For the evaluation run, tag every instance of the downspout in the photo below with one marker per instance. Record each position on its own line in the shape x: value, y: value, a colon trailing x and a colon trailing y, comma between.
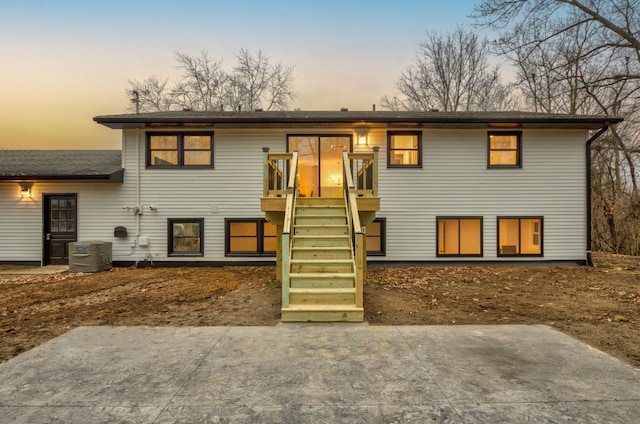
x: 136, y: 208
x: 137, y: 185
x: 588, y: 161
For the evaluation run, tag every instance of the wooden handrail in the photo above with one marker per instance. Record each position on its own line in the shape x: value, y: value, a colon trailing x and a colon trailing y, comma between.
x: 292, y: 190
x: 355, y: 228
x: 287, y: 240
x: 351, y: 197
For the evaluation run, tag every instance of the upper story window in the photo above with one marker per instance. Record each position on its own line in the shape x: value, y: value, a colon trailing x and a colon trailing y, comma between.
x: 505, y: 150
x: 404, y: 149
x: 180, y: 150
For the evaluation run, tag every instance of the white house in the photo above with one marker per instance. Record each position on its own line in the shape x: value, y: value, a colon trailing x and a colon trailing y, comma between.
x: 208, y: 187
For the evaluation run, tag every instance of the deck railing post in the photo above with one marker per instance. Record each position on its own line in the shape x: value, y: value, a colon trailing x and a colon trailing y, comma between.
x: 279, y: 253
x: 285, y: 269
x: 360, y: 257
x: 374, y: 178
x: 265, y: 172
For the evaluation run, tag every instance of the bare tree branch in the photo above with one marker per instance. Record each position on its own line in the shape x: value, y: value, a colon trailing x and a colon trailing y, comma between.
x: 255, y: 82
x: 451, y: 73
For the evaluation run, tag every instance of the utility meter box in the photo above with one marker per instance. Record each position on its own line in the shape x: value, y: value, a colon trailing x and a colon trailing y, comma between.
x: 90, y: 256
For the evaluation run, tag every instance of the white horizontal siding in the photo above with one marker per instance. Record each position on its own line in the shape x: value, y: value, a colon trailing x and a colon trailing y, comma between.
x: 20, y: 224
x: 454, y: 181
x: 232, y: 189
x: 21, y: 219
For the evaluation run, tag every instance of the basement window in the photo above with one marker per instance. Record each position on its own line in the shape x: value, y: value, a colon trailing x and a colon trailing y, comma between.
x: 376, y: 232
x: 459, y: 236
x: 186, y: 237
x: 249, y: 237
x: 520, y: 236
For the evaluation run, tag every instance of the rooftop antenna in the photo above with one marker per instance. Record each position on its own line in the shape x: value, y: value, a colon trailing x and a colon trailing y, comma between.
x: 136, y: 99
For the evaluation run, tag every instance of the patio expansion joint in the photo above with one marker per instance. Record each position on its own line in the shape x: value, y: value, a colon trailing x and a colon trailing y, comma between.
x: 191, y: 374
x: 426, y: 369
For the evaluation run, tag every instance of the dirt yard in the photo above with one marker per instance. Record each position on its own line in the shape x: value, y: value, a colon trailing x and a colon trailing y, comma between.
x: 600, y: 306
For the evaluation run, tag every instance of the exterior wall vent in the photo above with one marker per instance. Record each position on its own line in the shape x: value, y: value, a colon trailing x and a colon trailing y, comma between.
x: 120, y: 232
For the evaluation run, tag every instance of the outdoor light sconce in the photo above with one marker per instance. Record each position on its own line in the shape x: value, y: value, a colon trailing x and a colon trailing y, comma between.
x: 362, y: 133
x: 25, y: 189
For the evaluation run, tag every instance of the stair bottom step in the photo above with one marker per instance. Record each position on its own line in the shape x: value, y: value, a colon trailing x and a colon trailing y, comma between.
x: 322, y: 313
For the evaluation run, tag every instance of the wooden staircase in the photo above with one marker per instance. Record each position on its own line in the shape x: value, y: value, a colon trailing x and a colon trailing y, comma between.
x: 322, y: 278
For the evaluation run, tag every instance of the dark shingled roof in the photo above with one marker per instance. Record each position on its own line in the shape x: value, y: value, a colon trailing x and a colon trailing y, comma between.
x: 374, y: 118
x: 100, y: 165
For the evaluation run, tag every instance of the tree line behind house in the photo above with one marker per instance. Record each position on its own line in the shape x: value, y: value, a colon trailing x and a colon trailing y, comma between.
x: 568, y: 56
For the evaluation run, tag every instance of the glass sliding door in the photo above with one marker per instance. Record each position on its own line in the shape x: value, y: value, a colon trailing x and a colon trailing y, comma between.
x: 308, y: 160
x: 319, y: 163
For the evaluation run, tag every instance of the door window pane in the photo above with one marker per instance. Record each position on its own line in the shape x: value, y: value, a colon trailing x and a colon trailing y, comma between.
x: 308, y: 159
x: 331, y: 149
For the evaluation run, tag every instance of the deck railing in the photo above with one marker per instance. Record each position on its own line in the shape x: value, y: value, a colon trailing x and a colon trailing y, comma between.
x: 356, y: 230
x: 364, y: 172
x: 276, y: 169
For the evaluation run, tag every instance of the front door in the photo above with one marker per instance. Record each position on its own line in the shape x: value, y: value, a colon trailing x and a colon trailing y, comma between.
x: 60, y: 227
x: 319, y: 163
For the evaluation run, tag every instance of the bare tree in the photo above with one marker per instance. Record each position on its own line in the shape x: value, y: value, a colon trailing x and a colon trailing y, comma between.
x: 583, y: 57
x: 451, y: 73
x: 253, y: 83
x: 151, y: 92
x: 618, y: 21
x: 202, y: 82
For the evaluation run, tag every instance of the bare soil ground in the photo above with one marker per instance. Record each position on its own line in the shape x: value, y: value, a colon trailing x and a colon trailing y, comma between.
x: 600, y: 305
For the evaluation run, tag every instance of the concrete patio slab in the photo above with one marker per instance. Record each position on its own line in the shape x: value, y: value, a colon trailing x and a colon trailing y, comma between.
x: 310, y: 373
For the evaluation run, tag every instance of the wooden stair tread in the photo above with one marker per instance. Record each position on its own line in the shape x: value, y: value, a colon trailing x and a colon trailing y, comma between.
x: 322, y: 248
x: 321, y: 236
x: 322, y: 274
x: 321, y: 205
x: 321, y: 261
x: 320, y: 308
x: 325, y: 289
x: 320, y: 225
x: 328, y: 290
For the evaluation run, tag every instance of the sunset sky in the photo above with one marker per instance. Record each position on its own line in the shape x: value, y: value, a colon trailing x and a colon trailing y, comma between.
x: 65, y: 61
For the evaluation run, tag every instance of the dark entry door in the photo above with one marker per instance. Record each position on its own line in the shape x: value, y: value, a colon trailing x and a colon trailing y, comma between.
x: 60, y: 227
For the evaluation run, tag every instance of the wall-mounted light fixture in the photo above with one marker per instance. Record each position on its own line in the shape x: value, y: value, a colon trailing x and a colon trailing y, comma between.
x: 25, y: 189
x: 363, y: 133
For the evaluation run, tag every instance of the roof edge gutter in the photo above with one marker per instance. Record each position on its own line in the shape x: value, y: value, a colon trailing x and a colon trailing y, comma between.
x: 117, y: 176
x: 588, y: 169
